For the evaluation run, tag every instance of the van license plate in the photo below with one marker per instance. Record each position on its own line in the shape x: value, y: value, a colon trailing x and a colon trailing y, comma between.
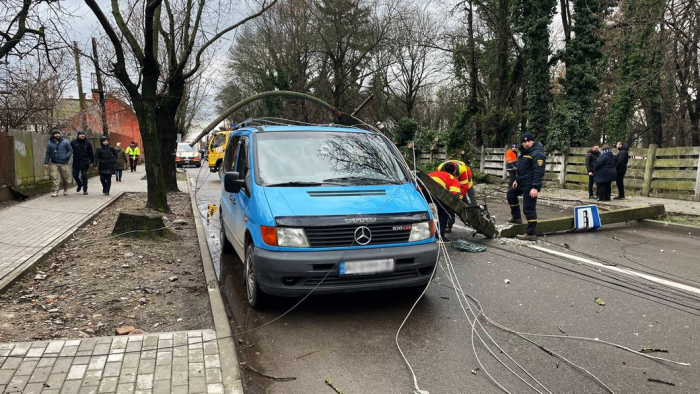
x: 366, y: 267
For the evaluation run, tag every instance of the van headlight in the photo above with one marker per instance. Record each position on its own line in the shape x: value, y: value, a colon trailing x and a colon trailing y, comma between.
x: 421, y: 231
x: 292, y: 237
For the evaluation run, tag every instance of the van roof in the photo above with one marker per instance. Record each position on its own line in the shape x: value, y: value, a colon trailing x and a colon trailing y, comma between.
x: 313, y: 128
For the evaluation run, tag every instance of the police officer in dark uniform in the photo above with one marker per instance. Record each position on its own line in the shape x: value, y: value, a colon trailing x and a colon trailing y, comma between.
x: 528, y: 182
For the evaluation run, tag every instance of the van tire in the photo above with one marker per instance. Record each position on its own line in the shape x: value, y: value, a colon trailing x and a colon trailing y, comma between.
x: 257, y: 299
x: 226, y: 246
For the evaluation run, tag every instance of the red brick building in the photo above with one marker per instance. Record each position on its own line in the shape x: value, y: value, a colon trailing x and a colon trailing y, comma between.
x: 122, y: 124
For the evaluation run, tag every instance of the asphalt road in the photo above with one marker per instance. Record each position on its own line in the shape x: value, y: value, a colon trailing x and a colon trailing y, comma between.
x: 350, y: 339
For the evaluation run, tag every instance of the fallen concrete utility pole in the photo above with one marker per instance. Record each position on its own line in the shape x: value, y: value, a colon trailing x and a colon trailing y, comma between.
x: 548, y: 226
x: 477, y: 217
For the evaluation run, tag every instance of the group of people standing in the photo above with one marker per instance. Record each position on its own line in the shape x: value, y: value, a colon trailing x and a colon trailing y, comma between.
x: 604, y: 168
x: 107, y: 159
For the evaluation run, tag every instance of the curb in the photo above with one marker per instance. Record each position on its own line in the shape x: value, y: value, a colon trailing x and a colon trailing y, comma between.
x: 230, y: 372
x: 47, y: 250
x: 676, y: 227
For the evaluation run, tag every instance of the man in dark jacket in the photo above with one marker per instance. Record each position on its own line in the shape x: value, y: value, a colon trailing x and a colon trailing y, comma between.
x: 622, y: 159
x: 105, y: 160
x: 591, y: 157
x: 83, y: 158
x: 528, y: 183
x: 605, y: 173
x: 58, y: 154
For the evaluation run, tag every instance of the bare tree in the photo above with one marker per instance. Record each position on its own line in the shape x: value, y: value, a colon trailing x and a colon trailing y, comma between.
x: 157, y: 85
x: 32, y: 94
x: 415, y: 61
x: 28, y: 25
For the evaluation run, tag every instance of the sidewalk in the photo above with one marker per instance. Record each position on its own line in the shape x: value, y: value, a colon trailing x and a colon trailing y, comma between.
x: 180, y: 362
x: 557, y: 197
x: 672, y: 206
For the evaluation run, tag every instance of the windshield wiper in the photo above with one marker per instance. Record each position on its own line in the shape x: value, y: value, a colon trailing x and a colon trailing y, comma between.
x: 357, y: 179
x: 297, y: 183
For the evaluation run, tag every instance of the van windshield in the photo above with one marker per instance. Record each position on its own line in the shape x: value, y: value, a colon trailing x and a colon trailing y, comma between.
x: 319, y: 158
x: 184, y: 147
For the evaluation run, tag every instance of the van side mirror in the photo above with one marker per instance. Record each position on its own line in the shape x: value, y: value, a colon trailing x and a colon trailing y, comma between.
x: 232, y: 183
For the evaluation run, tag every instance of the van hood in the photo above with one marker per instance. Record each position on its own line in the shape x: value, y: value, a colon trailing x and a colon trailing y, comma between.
x: 349, y: 200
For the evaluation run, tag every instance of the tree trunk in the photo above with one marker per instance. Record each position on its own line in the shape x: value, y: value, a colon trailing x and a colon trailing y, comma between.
x: 146, y: 113
x: 473, y: 105
x: 168, y: 128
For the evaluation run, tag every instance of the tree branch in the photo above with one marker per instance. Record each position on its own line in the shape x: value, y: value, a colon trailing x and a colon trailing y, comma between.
x: 120, y: 66
x: 128, y: 35
x: 221, y: 33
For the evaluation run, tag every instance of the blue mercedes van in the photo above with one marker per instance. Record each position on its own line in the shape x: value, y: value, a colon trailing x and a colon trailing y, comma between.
x: 328, y: 209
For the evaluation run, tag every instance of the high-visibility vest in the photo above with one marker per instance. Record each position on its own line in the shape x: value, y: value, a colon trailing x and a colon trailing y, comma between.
x: 511, y: 156
x: 132, y: 152
x: 465, y: 179
x: 446, y: 180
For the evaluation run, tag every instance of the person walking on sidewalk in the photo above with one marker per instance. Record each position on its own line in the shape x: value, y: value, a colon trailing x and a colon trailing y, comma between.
x: 58, y: 154
x: 133, y: 152
x: 528, y: 183
x: 622, y: 158
x: 121, y: 163
x: 83, y: 158
x: 511, y: 164
x: 605, y: 173
x: 105, y: 160
x: 591, y: 157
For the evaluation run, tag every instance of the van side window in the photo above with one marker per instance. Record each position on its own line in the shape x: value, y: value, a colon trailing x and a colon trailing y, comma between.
x: 230, y: 157
x: 242, y: 164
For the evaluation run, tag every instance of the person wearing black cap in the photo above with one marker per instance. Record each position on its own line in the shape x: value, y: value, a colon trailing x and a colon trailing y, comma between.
x: 83, y: 158
x: 528, y: 183
x: 105, y: 159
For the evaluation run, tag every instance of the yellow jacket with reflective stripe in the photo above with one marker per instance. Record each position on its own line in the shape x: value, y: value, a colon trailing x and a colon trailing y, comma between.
x: 465, y: 179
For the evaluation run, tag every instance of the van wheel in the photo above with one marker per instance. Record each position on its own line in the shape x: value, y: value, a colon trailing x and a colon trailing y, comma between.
x: 226, y: 246
x: 256, y: 298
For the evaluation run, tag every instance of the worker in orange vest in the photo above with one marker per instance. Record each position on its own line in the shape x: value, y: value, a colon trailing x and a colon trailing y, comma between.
x: 511, y: 164
x: 466, y: 186
x: 445, y: 179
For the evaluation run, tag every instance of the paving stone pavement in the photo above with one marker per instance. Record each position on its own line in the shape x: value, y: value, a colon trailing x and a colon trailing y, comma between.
x: 32, y: 229
x: 178, y: 362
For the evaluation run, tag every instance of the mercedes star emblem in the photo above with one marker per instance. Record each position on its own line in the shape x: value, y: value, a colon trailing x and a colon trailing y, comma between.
x: 363, y: 235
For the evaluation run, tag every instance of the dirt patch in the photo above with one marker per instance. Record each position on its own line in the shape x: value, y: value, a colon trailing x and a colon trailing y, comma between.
x: 96, y: 283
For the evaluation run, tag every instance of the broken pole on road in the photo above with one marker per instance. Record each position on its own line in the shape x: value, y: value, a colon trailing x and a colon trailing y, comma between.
x: 549, y: 226
x: 476, y: 217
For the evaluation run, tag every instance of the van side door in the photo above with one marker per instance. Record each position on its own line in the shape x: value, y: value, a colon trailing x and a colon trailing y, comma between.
x: 241, y: 199
x: 227, y: 200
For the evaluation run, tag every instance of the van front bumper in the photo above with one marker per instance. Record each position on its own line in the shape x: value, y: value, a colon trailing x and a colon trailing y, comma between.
x: 297, y: 273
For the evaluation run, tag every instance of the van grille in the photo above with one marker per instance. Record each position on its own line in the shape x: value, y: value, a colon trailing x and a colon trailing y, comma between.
x: 347, y: 193
x: 344, y: 235
x: 361, y: 279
